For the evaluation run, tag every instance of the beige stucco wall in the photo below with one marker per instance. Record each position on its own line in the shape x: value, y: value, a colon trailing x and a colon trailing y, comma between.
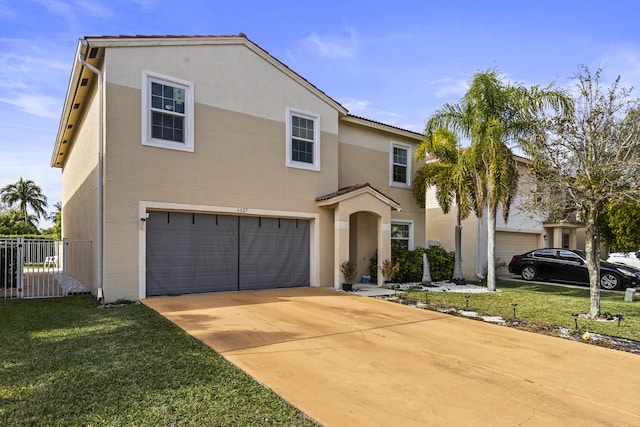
x: 364, y: 157
x: 238, y: 163
x: 441, y: 228
x: 80, y: 185
x: 363, y: 240
x: 231, y: 77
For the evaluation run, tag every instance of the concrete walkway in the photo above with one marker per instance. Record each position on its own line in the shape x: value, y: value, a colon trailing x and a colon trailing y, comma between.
x: 349, y: 360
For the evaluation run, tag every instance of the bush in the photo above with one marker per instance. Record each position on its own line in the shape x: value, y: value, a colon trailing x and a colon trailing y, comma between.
x: 440, y: 263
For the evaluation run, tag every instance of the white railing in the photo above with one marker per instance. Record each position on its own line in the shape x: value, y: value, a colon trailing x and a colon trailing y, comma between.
x: 39, y: 268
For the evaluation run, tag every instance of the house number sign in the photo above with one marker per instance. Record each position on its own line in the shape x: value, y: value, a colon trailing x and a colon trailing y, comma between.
x: 243, y: 210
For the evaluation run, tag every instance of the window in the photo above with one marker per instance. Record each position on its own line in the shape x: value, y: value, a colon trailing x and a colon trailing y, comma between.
x: 545, y: 253
x: 400, y: 165
x: 402, y: 235
x: 570, y: 256
x: 303, y: 140
x: 167, y: 115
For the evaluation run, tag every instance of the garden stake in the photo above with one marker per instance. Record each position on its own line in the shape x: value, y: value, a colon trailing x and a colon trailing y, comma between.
x: 514, y: 305
x: 619, y: 317
x: 467, y: 298
x: 575, y: 318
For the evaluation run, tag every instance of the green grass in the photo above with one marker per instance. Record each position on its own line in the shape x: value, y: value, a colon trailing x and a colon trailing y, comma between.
x: 64, y: 361
x: 548, y: 304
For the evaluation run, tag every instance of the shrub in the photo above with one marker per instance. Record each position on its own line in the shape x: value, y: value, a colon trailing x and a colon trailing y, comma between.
x: 349, y: 269
x: 389, y: 269
x: 440, y: 263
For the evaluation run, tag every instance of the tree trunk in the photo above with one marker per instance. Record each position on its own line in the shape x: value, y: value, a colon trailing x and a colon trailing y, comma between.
x: 592, y: 250
x: 491, y: 248
x: 457, y: 266
x: 426, y: 270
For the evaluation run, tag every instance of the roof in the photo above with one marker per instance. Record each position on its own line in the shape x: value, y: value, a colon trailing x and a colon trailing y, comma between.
x: 382, y: 126
x: 355, y: 190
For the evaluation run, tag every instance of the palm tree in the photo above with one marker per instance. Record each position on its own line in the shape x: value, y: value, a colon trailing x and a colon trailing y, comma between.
x: 449, y: 173
x: 57, y: 209
x: 494, y: 117
x: 25, y: 194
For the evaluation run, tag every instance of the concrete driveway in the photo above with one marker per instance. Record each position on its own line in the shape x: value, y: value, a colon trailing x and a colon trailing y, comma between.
x: 348, y: 360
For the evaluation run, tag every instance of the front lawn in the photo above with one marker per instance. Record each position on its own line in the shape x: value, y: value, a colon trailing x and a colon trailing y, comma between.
x: 64, y: 361
x: 547, y: 304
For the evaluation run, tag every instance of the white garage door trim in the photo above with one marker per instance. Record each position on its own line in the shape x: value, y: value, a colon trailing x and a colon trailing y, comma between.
x: 144, y: 206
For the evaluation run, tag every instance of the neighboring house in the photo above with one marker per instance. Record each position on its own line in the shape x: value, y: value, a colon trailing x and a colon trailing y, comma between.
x: 203, y: 164
x: 525, y: 230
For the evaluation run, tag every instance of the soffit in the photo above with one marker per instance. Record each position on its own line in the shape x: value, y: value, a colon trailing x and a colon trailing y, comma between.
x: 81, y: 83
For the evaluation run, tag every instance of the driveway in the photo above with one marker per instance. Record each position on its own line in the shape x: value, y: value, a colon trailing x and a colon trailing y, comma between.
x: 348, y: 360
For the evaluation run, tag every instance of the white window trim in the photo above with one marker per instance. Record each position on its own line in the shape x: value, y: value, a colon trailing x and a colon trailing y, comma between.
x: 410, y: 224
x: 315, y: 166
x: 147, y: 139
x: 407, y: 147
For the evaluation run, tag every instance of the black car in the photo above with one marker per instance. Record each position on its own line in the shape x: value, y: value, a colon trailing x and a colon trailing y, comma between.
x: 568, y: 265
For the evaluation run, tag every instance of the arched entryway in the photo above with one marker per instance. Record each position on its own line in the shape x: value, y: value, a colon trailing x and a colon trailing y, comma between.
x: 359, y: 211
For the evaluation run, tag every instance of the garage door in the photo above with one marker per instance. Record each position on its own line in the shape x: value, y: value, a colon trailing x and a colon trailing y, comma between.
x: 511, y: 243
x: 195, y: 253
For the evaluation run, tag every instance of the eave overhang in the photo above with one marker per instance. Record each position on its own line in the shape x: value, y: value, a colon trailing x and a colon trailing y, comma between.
x: 80, y: 83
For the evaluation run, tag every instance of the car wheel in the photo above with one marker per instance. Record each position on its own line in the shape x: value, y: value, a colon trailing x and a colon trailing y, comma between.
x: 609, y: 281
x: 528, y: 272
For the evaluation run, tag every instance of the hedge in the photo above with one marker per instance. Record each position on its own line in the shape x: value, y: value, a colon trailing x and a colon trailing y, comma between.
x: 440, y: 264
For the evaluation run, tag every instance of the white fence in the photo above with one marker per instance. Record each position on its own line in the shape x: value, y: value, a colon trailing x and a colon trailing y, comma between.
x: 34, y: 268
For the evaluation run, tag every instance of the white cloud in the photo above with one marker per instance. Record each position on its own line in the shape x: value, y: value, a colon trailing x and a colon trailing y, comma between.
x: 93, y: 8
x: 623, y: 61
x: 57, y: 7
x: 37, y: 105
x: 329, y: 46
x: 332, y: 47
x: 355, y: 106
x: 450, y: 88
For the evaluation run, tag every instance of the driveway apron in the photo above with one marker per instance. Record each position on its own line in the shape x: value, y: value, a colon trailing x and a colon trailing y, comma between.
x: 348, y: 360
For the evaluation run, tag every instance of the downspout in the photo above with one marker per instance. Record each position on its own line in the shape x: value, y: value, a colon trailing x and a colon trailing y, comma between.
x: 98, y: 73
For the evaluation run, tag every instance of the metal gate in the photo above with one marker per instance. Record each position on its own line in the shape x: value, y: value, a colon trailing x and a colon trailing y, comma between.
x: 40, y: 268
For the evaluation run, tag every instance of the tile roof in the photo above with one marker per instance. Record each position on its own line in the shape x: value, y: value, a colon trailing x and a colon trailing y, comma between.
x: 351, y: 189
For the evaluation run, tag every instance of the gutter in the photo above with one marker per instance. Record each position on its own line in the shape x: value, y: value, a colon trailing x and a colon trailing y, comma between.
x: 100, y: 76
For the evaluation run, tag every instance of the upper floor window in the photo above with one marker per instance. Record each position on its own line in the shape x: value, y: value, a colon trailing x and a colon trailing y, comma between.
x: 303, y: 140
x: 400, y: 165
x: 402, y: 235
x: 167, y: 112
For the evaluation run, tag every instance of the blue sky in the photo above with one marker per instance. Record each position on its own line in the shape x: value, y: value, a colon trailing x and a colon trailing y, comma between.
x: 391, y: 61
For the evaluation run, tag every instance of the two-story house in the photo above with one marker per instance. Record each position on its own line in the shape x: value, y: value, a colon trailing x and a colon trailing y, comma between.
x: 204, y: 164
x: 525, y: 230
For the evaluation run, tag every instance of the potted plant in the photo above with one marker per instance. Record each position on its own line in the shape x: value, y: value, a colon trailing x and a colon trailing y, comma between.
x: 349, y: 270
x: 389, y: 269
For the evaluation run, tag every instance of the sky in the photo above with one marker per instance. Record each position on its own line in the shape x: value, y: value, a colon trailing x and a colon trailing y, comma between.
x: 395, y: 62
